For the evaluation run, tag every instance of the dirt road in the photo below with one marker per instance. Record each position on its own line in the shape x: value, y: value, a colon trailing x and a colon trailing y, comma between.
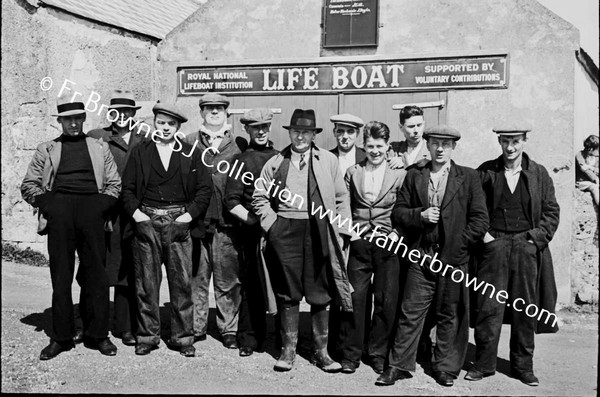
x: 566, y: 363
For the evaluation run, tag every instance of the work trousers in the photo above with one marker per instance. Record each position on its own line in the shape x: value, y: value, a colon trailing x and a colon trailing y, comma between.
x: 162, y: 240
x: 219, y: 257
x: 368, y: 260
x: 252, y: 319
x: 297, y: 266
x: 422, y: 289
x: 75, y: 222
x: 508, y: 263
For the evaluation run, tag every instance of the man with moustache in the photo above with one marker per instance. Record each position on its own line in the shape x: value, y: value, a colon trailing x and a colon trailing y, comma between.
x: 440, y: 212
x: 119, y: 258
x: 306, y: 258
x: 514, y: 256
x: 166, y: 194
x: 373, y: 188
x: 216, y: 253
x: 238, y: 200
x: 73, y: 182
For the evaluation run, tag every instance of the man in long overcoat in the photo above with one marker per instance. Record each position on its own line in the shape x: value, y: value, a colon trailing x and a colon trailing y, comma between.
x: 298, y: 194
x: 514, y: 256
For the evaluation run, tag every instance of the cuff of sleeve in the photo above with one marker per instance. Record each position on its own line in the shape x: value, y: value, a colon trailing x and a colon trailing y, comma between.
x: 193, y: 210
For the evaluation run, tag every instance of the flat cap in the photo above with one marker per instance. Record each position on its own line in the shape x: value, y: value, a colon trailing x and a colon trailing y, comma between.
x: 254, y: 117
x: 441, y: 131
x: 169, y: 108
x: 347, y: 119
x: 511, y: 130
x: 214, y: 99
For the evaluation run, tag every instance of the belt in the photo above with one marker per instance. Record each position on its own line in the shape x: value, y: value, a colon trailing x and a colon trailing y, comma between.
x: 170, y: 209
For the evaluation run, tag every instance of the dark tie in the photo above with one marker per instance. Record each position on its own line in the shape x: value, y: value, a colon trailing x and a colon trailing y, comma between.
x: 302, y: 162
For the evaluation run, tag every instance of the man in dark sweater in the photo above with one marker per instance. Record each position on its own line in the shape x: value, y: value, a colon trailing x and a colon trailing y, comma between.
x: 167, y: 194
x: 73, y: 181
x: 238, y: 200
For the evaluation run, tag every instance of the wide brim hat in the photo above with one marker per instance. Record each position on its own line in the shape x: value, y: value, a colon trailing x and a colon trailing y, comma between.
x: 123, y: 99
x: 67, y: 108
x: 214, y: 99
x: 170, y: 109
x: 442, y: 132
x: 303, y: 120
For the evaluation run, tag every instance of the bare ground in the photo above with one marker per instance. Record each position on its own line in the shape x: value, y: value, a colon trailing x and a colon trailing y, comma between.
x: 566, y: 362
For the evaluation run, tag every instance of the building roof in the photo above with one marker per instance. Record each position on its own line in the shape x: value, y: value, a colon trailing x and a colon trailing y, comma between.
x: 154, y: 18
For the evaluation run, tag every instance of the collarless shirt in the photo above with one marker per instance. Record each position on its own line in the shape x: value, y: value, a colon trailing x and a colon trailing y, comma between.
x: 411, y: 156
x: 164, y: 152
x: 373, y: 181
x: 512, y: 177
x: 437, y: 185
x: 347, y: 159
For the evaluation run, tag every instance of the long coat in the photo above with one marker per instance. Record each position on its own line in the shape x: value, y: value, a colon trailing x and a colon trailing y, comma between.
x: 119, y: 265
x: 194, y: 176
x: 332, y: 194
x: 544, y: 214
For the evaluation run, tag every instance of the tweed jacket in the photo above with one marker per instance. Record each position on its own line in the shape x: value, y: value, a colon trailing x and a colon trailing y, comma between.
x: 41, y: 173
x: 330, y: 189
x: 378, y: 213
x: 544, y: 213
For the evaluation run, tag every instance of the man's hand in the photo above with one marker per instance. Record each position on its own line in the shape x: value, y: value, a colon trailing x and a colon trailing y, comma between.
x: 139, y: 216
x: 396, y: 163
x: 252, y: 219
x: 431, y: 215
x: 393, y: 236
x: 184, y: 218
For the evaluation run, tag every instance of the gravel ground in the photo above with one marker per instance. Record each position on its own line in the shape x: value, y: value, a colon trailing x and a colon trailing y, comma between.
x: 566, y: 363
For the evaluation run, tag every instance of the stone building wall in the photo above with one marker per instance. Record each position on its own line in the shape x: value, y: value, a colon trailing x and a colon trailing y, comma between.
x: 38, y: 42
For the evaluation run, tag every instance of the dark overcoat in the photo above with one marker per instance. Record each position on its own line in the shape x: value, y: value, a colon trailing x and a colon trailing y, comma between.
x: 543, y: 213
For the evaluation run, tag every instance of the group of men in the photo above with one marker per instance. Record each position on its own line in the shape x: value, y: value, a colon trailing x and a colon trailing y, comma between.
x: 314, y: 225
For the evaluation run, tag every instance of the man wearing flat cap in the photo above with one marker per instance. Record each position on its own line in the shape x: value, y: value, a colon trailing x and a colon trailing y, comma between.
x: 167, y: 194
x: 119, y: 259
x: 216, y: 253
x: 346, y: 128
x: 238, y: 200
x: 73, y: 182
x: 440, y: 212
x: 295, y: 190
x: 514, y: 256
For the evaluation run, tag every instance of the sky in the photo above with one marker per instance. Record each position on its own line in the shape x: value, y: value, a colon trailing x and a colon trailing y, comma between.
x: 583, y: 14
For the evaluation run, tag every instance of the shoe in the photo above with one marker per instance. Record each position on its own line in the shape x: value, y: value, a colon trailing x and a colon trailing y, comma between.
x: 288, y: 317
x: 104, y: 345
x: 475, y: 375
x: 320, y: 324
x: 128, y: 339
x: 199, y: 338
x: 54, y: 349
x: 142, y: 349
x: 443, y: 378
x: 526, y: 377
x: 230, y: 342
x: 246, y: 351
x: 187, y: 351
x: 377, y: 365
x: 348, y: 367
x: 78, y: 337
x: 391, y: 375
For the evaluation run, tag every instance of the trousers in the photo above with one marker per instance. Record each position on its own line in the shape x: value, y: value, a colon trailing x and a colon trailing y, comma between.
x: 163, y: 240
x: 75, y: 223
x: 509, y: 263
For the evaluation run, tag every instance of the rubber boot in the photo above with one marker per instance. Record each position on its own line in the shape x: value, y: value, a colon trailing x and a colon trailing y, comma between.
x: 320, y: 321
x: 289, y: 316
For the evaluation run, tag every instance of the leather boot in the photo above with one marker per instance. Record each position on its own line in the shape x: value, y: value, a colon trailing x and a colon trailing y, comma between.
x: 289, y: 316
x: 320, y: 321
